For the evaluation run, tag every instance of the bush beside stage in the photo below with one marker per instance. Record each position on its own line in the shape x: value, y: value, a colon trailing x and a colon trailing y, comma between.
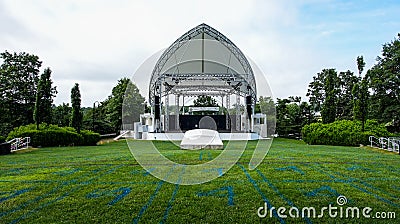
x: 343, y: 133
x: 52, y: 135
x: 2, y: 139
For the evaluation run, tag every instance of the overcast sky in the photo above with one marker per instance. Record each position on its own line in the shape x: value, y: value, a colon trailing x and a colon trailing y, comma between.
x: 96, y: 42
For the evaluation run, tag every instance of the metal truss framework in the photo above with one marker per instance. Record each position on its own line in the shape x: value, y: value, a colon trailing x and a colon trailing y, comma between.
x: 157, y: 77
x: 195, y: 84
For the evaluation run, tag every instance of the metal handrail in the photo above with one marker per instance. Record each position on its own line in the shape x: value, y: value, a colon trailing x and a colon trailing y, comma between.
x: 19, y: 143
x: 391, y: 144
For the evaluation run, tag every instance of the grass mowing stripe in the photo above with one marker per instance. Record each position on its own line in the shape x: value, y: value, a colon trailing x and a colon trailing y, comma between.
x: 17, y: 193
x: 352, y: 179
x: 148, y: 203
x: 229, y: 194
x: 172, y: 199
x: 125, y: 191
x: 25, y: 215
x: 42, y: 170
x: 358, y: 187
x: 255, y: 185
x: 274, y: 188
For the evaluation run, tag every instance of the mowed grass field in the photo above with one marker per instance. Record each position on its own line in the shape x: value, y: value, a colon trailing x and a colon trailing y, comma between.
x: 104, y: 184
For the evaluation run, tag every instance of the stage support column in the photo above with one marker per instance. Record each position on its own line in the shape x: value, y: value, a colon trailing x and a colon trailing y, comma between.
x: 166, y: 119
x: 177, y: 112
x: 228, y: 102
x: 249, y: 113
x: 238, y: 114
x: 183, y: 104
x: 157, y: 108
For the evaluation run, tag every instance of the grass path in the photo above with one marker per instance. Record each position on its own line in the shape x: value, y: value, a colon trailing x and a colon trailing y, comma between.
x: 104, y: 184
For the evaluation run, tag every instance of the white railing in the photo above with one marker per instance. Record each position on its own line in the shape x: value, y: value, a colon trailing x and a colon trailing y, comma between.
x: 19, y: 143
x: 395, y: 144
x: 391, y: 144
x: 374, y: 141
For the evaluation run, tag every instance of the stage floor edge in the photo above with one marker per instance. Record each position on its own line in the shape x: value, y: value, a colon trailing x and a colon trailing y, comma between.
x: 223, y: 136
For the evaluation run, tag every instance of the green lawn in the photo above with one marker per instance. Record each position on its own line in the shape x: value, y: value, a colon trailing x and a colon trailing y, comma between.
x: 104, y: 184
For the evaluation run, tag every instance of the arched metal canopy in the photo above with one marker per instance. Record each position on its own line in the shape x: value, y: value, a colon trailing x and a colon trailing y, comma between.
x: 202, y: 62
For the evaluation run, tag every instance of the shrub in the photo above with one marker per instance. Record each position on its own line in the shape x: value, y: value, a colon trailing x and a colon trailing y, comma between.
x: 89, y: 137
x: 343, y: 132
x: 2, y: 139
x: 52, y: 135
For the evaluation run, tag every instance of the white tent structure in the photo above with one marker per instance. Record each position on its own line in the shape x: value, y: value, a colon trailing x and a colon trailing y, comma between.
x: 201, y: 62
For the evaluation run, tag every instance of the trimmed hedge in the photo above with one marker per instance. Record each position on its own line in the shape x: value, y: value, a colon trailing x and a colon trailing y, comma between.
x: 52, y: 135
x: 343, y: 132
x: 89, y: 137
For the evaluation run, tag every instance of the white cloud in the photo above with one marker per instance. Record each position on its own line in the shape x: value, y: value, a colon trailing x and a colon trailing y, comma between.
x: 96, y: 42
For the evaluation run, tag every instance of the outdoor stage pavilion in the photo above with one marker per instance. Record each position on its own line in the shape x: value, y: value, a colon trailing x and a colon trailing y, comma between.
x: 202, y: 62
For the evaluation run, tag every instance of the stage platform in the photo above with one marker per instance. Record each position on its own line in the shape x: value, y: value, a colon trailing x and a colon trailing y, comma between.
x: 178, y: 136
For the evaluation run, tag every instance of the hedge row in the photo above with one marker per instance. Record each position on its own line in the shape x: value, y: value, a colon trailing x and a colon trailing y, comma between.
x: 2, y: 139
x: 343, y: 132
x: 52, y: 135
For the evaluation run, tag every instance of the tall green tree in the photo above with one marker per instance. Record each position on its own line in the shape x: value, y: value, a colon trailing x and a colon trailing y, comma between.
x: 360, y: 95
x: 328, y: 111
x: 125, y: 103
x: 330, y: 94
x: 44, y: 99
x: 266, y: 105
x: 344, y: 95
x: 384, y: 82
x: 315, y: 92
x: 360, y: 65
x: 76, y: 118
x: 61, y: 115
x: 322, y: 93
x: 292, y: 114
x: 19, y: 76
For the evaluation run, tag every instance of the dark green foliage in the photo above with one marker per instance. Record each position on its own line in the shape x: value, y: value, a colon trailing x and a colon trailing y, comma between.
x: 44, y: 99
x: 330, y: 94
x: 76, y: 118
x: 360, y: 64
x: 89, y: 137
x: 292, y: 115
x: 315, y: 91
x: 205, y: 101
x: 62, y: 115
x: 384, y: 80
x: 19, y: 75
x: 47, y: 135
x: 126, y: 103
x: 2, y: 139
x: 360, y: 102
x: 344, y: 107
x: 97, y: 119
x: 328, y: 111
x: 342, y: 132
x: 266, y: 105
x: 52, y: 135
x: 114, y: 103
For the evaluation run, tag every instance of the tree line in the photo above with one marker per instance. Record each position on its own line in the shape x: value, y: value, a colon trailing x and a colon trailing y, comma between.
x: 344, y: 95
x: 27, y: 96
